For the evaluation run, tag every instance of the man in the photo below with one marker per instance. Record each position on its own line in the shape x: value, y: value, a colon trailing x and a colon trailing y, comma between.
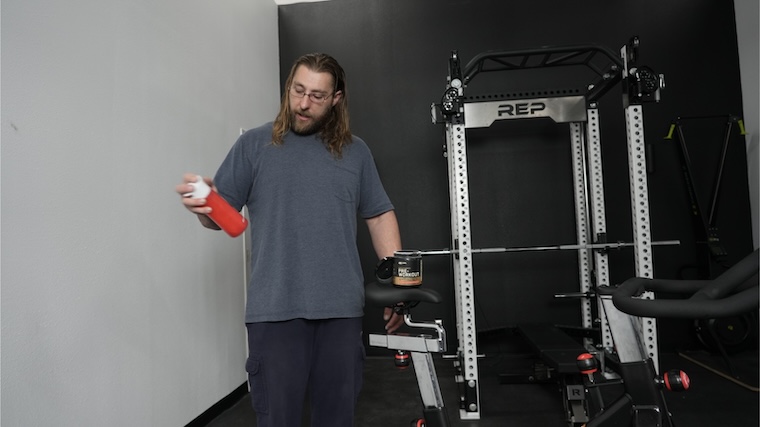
x: 304, y: 178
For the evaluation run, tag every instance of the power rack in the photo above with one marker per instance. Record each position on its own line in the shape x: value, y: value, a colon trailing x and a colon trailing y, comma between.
x: 459, y: 113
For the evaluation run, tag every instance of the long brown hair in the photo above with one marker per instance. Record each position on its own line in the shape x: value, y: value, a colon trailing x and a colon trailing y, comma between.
x: 336, y: 132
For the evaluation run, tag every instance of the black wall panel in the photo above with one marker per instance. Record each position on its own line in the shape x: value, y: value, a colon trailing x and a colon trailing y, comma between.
x: 395, y: 54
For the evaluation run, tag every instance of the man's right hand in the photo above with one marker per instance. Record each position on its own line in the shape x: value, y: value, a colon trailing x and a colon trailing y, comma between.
x: 194, y: 205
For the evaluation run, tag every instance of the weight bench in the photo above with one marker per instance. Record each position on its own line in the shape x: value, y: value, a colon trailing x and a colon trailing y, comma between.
x: 557, y: 349
x: 560, y: 353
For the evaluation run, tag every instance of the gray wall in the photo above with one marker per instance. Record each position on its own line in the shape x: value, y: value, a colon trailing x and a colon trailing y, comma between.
x: 118, y: 309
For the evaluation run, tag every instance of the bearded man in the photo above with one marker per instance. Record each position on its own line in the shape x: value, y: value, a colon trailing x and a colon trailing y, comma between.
x: 304, y: 178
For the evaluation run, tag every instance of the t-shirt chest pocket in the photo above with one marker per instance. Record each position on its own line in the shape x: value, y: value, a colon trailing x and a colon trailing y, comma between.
x: 345, y: 184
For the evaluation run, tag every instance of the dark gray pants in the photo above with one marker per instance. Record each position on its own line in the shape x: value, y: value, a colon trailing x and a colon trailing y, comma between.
x: 289, y: 359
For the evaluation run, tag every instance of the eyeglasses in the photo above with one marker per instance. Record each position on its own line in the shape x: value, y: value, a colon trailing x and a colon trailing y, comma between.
x: 315, y: 97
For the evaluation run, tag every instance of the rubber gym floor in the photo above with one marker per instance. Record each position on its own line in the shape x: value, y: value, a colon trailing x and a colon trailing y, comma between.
x: 390, y: 397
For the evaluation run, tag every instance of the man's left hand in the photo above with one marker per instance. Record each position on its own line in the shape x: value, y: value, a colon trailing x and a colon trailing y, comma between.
x: 394, y: 321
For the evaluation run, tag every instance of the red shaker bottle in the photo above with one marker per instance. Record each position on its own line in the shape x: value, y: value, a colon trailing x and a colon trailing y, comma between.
x: 224, y: 215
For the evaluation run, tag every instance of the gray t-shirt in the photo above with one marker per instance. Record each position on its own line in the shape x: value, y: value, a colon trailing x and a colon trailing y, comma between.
x: 303, y: 205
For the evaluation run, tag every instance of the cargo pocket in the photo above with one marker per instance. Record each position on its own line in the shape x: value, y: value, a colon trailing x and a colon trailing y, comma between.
x: 258, y: 385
